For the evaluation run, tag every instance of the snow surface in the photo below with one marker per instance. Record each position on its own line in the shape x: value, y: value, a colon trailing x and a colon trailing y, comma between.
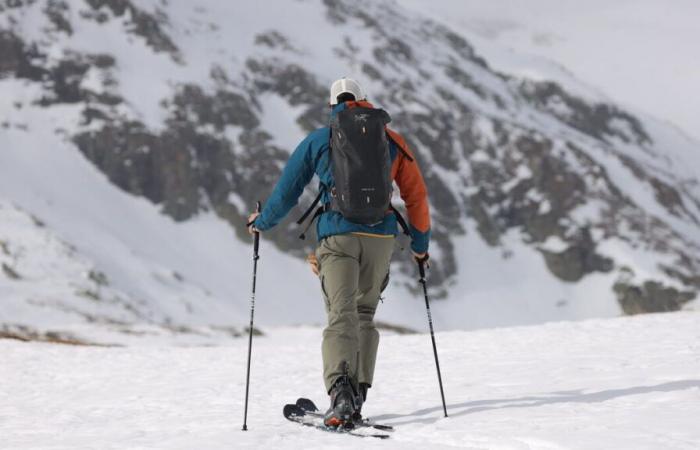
x: 626, y: 383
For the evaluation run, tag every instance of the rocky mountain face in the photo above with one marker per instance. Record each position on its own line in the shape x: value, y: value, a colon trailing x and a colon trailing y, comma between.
x: 591, y: 187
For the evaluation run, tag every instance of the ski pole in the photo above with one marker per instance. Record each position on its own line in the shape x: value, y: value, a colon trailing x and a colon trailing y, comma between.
x: 256, y: 244
x: 421, y: 269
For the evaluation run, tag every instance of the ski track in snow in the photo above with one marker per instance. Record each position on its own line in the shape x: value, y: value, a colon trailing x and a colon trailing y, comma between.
x: 625, y: 383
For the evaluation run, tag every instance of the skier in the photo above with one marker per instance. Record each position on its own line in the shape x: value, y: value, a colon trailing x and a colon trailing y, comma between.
x: 356, y: 238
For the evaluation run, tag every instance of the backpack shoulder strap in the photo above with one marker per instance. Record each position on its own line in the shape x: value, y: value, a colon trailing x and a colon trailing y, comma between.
x: 400, y: 143
x: 400, y: 220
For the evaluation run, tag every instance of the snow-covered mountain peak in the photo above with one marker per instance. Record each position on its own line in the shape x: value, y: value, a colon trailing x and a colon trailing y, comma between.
x: 114, y: 111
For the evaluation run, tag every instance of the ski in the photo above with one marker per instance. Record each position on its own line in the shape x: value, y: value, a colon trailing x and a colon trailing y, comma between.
x: 312, y: 410
x: 297, y: 414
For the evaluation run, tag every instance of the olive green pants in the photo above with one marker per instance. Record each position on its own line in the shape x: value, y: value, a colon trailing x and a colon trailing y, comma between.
x: 354, y: 270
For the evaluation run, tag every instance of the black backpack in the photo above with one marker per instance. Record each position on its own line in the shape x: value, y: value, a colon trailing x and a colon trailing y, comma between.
x: 361, y: 165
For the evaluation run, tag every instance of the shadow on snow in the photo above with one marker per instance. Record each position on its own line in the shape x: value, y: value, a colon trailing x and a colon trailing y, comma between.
x: 575, y: 396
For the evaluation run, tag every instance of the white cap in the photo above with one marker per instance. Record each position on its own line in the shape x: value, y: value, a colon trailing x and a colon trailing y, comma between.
x: 346, y: 85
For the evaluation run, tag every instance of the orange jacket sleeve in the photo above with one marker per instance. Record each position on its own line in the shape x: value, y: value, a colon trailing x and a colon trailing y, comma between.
x: 414, y: 193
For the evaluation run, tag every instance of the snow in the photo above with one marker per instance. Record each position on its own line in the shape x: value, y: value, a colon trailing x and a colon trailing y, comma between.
x: 238, y: 202
x: 522, y: 172
x: 639, y: 52
x: 502, y: 287
x: 140, y: 249
x: 626, y: 383
x: 130, y: 240
x: 554, y: 244
x: 279, y: 116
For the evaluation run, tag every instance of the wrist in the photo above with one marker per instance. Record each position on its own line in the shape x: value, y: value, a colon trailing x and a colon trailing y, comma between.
x: 418, y: 249
x: 259, y: 223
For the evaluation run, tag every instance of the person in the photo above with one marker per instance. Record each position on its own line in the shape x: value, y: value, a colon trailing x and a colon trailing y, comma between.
x: 352, y: 258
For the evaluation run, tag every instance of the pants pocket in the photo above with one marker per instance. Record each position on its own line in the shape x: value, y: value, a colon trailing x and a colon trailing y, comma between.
x: 326, y: 300
x: 385, y: 283
x: 323, y: 287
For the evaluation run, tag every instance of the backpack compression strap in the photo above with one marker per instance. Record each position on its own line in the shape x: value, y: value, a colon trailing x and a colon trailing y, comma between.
x: 318, y: 212
x: 311, y: 208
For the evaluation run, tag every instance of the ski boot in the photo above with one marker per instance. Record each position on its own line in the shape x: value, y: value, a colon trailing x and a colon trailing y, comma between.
x: 343, y: 404
x: 360, y: 400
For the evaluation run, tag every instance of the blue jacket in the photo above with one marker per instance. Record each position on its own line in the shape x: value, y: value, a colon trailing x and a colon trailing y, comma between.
x: 312, y: 157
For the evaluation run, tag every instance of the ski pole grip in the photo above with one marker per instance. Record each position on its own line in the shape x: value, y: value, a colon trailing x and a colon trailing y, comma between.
x: 421, y: 264
x: 256, y: 240
x: 256, y: 243
x: 421, y: 268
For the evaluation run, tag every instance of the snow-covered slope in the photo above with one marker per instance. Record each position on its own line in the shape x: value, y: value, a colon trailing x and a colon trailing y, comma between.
x: 60, y: 289
x: 626, y: 383
x: 141, y: 133
x: 639, y: 52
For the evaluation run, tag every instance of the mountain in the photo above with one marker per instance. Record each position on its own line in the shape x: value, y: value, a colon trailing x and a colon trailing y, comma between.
x: 141, y: 134
x: 636, y: 51
x: 626, y: 383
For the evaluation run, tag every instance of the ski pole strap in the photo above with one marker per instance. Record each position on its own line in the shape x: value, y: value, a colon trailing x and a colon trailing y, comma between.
x: 400, y: 220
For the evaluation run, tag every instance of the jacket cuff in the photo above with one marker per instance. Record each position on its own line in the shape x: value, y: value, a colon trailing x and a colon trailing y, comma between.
x: 260, y: 224
x: 419, y: 240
